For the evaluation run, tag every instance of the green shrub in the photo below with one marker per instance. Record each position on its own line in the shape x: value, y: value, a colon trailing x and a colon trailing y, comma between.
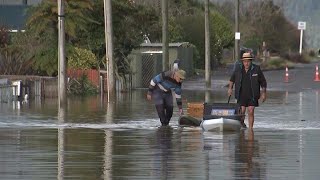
x: 82, y: 59
x: 81, y: 86
x: 276, y: 63
x: 296, y: 57
x: 312, y: 53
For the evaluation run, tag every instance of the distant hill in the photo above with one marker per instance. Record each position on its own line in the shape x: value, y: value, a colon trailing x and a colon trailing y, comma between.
x: 298, y: 10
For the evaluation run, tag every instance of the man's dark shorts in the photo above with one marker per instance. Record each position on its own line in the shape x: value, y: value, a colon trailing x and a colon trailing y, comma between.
x: 248, y: 102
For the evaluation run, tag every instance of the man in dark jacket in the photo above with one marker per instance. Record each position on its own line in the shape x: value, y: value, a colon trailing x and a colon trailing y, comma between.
x: 160, y: 91
x: 248, y: 78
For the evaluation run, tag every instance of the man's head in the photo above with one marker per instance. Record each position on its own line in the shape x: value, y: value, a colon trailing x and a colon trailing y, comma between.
x: 179, y: 75
x: 246, y: 60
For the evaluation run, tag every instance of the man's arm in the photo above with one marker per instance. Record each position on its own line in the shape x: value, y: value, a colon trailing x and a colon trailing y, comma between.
x: 230, y: 88
x: 263, y: 84
x: 178, y: 92
x: 153, y: 83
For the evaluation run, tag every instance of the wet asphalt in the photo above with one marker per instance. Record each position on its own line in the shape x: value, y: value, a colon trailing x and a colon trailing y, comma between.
x: 301, y: 77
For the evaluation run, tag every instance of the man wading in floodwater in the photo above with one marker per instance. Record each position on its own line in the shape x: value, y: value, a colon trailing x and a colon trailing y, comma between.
x: 248, y: 78
x: 160, y: 91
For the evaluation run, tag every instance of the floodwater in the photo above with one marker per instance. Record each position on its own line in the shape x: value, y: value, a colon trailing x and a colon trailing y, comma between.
x: 123, y: 140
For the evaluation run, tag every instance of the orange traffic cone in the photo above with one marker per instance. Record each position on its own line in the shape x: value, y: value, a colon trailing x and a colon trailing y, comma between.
x: 286, y: 78
x: 316, y: 75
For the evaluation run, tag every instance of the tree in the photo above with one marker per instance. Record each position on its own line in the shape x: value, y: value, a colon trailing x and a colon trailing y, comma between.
x: 221, y: 35
x: 42, y: 22
x: 130, y: 22
x: 82, y: 59
x: 264, y: 21
x: 14, y: 62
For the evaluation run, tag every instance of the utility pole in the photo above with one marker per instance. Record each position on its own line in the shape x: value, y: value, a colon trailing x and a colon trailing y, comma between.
x: 165, y: 44
x: 207, y: 47
x: 109, y: 48
x: 236, y: 44
x: 62, y: 88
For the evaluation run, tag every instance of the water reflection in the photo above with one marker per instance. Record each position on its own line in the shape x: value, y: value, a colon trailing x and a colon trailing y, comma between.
x: 61, y: 118
x: 233, y: 155
x: 164, y: 145
x: 108, y: 143
x: 220, y: 148
x: 247, y: 164
x: 121, y: 140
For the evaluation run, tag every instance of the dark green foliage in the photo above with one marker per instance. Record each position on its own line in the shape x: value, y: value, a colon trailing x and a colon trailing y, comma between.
x: 266, y: 21
x: 221, y: 35
x: 16, y: 59
x: 42, y: 25
x: 81, y: 86
x: 312, y: 53
x: 14, y: 62
x: 130, y: 23
x: 4, y: 36
x: 276, y: 63
x: 295, y: 57
x: 261, y: 21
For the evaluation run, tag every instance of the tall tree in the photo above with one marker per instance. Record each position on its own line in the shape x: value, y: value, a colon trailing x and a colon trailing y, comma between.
x: 42, y: 22
x: 265, y: 21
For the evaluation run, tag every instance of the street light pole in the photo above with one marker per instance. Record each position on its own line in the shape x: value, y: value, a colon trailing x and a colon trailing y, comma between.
x: 109, y: 48
x: 165, y: 44
x: 62, y: 89
x: 236, y: 44
x: 207, y: 46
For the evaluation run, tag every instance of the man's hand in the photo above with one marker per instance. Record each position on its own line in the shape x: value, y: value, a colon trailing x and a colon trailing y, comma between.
x: 181, y: 112
x: 263, y: 96
x: 229, y: 92
x: 149, y: 97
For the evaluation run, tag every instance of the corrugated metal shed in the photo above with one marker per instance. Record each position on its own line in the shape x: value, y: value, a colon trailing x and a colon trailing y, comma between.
x: 147, y: 61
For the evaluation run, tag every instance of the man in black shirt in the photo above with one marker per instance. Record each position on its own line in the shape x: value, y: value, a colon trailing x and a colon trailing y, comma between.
x: 248, y: 78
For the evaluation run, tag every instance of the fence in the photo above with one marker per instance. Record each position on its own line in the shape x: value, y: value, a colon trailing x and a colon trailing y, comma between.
x: 48, y: 88
x: 92, y: 74
x: 7, y: 93
x: 44, y: 87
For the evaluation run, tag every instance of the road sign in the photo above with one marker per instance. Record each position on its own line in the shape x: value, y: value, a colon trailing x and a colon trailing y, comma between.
x: 302, y: 25
x: 237, y: 35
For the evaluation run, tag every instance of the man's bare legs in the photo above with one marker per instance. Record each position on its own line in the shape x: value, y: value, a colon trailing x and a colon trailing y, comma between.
x: 251, y: 116
x: 243, y: 111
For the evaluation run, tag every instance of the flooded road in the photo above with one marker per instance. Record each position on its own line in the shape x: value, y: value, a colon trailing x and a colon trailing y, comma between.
x: 124, y: 140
